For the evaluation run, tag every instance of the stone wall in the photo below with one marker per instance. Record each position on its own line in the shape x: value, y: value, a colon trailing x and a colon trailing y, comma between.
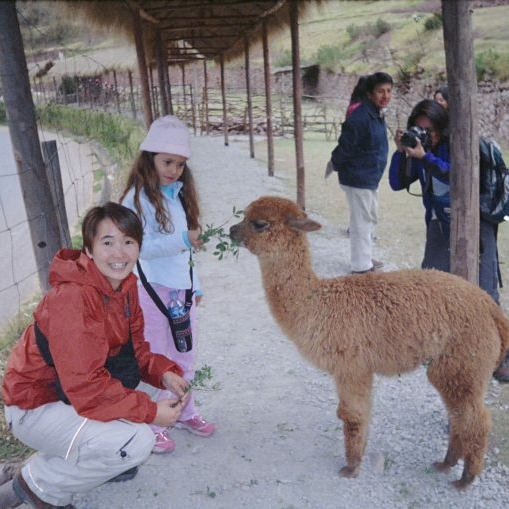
x: 335, y: 89
x: 493, y: 102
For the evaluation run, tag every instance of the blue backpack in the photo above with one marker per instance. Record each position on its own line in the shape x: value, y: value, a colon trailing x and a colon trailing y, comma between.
x: 494, y: 183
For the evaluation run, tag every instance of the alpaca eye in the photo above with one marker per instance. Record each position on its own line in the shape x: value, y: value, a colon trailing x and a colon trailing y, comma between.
x: 259, y: 225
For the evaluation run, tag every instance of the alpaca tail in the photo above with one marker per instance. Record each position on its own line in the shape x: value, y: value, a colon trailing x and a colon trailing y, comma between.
x: 503, y: 330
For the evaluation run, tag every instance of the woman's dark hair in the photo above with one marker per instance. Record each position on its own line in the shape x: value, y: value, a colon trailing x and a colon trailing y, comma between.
x: 125, y: 220
x: 377, y: 78
x: 437, y: 115
x: 359, y: 91
x: 443, y: 91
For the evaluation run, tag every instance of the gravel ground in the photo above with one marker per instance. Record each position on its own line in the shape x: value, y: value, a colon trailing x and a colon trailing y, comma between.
x: 278, y: 442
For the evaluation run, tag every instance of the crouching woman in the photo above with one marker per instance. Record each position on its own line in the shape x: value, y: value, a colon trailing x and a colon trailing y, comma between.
x: 70, y: 383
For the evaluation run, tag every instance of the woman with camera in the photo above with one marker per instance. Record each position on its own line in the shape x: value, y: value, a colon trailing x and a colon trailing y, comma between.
x: 423, y: 154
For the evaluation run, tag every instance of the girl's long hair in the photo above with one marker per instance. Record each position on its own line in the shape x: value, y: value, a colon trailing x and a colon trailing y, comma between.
x: 143, y: 175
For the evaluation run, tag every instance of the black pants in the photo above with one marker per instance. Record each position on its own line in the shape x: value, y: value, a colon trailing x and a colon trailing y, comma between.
x: 437, y: 254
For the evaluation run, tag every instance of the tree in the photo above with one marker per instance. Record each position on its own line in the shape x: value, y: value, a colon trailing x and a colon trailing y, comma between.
x: 462, y: 83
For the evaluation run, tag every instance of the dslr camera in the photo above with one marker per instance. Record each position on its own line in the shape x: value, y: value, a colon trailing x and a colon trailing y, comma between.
x: 409, y: 138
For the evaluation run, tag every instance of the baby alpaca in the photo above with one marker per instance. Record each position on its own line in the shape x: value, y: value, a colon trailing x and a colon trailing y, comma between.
x: 385, y: 323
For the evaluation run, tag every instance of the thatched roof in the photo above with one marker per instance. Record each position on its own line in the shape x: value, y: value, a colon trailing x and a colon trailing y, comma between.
x: 192, y: 29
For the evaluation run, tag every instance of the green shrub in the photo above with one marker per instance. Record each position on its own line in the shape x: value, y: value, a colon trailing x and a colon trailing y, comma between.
x: 490, y: 64
x: 329, y: 56
x: 119, y: 135
x: 375, y: 30
x: 284, y: 59
x: 379, y: 28
x: 433, y: 22
x: 354, y: 31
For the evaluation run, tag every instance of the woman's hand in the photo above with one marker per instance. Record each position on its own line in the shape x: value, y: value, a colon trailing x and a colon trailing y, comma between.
x: 417, y: 152
x: 194, y: 238
x: 168, y: 411
x: 175, y: 384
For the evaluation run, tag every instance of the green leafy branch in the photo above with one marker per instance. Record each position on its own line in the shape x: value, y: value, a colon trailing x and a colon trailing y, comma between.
x: 224, y: 244
x: 200, y: 382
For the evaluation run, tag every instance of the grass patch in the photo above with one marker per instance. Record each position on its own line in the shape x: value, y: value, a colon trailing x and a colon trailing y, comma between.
x: 12, y: 449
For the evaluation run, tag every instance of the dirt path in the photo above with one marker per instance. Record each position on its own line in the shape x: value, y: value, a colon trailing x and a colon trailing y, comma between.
x: 279, y: 442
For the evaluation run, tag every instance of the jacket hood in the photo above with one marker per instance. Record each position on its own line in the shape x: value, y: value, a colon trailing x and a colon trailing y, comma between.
x: 74, y: 266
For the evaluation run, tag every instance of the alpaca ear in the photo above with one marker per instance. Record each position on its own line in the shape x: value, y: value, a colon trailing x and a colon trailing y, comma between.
x: 303, y: 224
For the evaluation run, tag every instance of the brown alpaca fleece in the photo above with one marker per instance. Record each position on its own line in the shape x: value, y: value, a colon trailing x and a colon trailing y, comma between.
x: 383, y: 323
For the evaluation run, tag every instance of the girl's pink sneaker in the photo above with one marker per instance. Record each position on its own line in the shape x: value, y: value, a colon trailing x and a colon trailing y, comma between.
x: 197, y: 425
x: 164, y: 444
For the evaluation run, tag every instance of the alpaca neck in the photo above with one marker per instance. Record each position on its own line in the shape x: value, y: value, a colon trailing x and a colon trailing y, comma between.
x: 290, y: 286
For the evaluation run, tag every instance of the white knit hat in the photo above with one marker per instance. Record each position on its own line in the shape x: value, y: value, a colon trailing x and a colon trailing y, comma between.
x: 167, y: 135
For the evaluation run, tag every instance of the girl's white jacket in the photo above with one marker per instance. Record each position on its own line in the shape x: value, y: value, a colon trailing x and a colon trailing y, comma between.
x: 164, y: 257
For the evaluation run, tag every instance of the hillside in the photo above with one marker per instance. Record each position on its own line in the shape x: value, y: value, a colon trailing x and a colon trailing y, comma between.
x: 347, y: 36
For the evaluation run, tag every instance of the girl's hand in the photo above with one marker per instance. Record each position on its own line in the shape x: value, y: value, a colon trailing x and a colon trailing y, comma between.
x: 193, y: 236
x: 175, y: 384
x: 417, y: 152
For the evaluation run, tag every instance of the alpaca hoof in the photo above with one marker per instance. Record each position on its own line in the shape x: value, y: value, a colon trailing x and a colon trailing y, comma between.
x: 462, y: 484
x: 466, y: 480
x: 349, y: 472
x: 441, y: 467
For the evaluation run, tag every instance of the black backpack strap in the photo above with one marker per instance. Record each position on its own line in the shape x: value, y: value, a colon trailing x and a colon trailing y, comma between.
x: 148, y: 287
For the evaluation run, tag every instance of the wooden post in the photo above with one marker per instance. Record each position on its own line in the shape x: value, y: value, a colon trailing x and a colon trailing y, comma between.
x: 77, y: 88
x: 206, y: 97
x: 161, y: 64
x: 464, y: 138
x: 249, y: 102
x: 183, y: 71
x: 268, y: 100
x: 115, y: 91
x: 297, y: 106
x: 142, y: 66
x: 55, y: 87
x: 154, y: 93
x: 167, y: 84
x: 50, y: 156
x: 193, y: 108
x: 20, y: 108
x: 131, y: 94
x: 223, y: 99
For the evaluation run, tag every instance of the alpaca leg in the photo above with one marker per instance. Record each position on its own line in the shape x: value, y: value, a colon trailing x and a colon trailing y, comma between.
x: 354, y: 410
x: 475, y: 428
x: 469, y: 419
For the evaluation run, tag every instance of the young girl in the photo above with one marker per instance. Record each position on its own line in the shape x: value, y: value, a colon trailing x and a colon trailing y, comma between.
x: 161, y: 190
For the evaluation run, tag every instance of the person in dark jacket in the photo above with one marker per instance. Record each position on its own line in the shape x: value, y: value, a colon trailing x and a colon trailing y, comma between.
x: 69, y: 388
x: 360, y: 158
x: 429, y: 162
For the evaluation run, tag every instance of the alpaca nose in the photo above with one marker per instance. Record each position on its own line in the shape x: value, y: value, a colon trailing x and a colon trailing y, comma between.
x: 235, y: 232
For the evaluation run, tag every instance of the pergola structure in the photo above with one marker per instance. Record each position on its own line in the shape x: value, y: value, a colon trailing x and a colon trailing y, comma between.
x: 180, y: 32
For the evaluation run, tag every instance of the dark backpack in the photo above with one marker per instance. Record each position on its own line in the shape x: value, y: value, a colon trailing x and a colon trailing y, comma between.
x: 494, y: 183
